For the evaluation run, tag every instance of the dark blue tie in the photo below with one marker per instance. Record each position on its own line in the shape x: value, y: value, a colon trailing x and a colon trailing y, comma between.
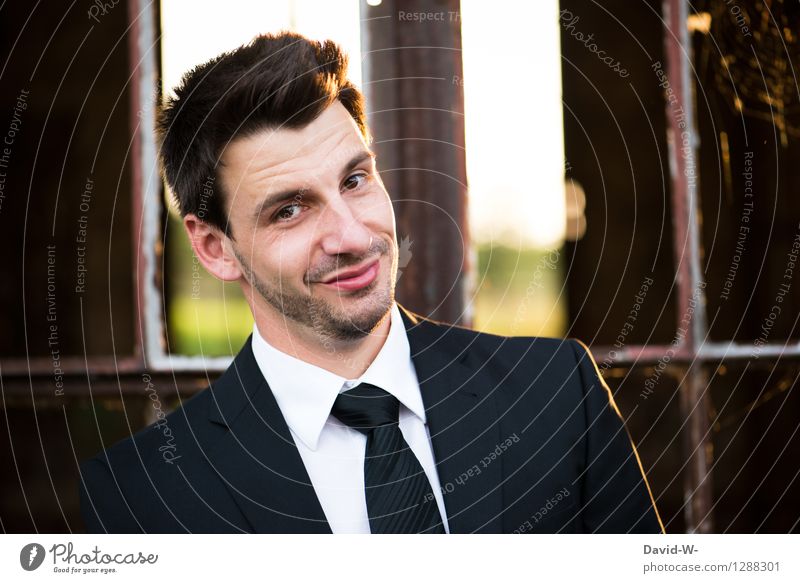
x: 399, y: 495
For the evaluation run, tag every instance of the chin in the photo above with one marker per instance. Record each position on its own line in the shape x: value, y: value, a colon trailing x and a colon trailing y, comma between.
x: 359, y: 321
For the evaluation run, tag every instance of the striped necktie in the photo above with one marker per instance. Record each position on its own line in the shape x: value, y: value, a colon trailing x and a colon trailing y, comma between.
x: 399, y: 495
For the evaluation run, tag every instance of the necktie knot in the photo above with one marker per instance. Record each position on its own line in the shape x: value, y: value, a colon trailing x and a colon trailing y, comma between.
x: 366, y: 407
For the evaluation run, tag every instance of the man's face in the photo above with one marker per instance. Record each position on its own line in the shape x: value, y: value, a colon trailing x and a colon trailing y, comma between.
x: 305, y: 206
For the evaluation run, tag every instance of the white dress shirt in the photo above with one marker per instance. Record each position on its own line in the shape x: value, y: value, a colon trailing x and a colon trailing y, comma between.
x: 333, y: 453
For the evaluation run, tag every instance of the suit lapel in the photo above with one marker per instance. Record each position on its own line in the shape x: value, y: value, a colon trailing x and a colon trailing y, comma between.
x: 257, y: 459
x: 464, y: 426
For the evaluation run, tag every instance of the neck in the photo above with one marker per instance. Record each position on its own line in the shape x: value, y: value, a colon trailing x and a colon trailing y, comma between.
x: 346, y: 358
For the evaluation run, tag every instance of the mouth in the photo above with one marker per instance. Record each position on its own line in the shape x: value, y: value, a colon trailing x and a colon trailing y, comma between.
x: 355, y: 278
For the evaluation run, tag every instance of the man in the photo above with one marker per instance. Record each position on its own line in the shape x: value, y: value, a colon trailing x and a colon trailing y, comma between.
x: 345, y: 412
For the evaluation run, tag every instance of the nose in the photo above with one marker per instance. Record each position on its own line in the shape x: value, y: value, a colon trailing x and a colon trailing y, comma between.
x: 342, y: 231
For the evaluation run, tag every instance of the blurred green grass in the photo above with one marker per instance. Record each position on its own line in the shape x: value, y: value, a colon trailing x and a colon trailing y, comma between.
x: 209, y: 326
x: 519, y: 291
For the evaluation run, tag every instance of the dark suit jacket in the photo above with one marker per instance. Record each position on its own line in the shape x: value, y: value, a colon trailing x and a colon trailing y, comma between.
x: 525, y: 434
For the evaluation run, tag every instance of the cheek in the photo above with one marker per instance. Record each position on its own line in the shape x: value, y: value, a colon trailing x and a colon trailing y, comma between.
x: 379, y: 211
x: 287, y: 257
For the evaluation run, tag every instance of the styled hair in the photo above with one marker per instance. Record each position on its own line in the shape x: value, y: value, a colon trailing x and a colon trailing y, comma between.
x: 282, y: 80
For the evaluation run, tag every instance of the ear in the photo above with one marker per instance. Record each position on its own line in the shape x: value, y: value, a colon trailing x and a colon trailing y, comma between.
x: 211, y: 247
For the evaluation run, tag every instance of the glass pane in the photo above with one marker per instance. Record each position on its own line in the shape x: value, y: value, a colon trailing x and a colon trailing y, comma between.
x: 65, y: 186
x: 654, y: 420
x: 620, y: 269
x: 756, y: 446
x: 517, y: 216
x: 748, y: 112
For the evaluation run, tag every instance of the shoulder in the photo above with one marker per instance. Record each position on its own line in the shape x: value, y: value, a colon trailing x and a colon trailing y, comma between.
x: 187, y: 427
x: 502, y: 349
x: 154, y: 440
x: 137, y: 483
x: 532, y: 367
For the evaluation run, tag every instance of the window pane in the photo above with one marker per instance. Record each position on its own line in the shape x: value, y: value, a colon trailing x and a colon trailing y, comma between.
x: 515, y: 166
x: 756, y: 446
x: 654, y: 420
x: 748, y: 114
x: 67, y: 265
x: 616, y: 150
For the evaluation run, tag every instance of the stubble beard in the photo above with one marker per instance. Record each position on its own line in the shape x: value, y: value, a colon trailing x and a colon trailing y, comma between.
x: 318, y: 315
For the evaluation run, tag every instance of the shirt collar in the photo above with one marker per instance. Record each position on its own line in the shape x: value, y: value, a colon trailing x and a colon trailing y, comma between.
x: 305, y: 392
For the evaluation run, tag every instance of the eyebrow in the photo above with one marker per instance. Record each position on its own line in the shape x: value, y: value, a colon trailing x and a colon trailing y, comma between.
x: 290, y: 194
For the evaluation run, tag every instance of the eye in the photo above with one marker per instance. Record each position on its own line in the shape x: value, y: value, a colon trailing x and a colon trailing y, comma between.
x: 355, y: 181
x: 281, y: 215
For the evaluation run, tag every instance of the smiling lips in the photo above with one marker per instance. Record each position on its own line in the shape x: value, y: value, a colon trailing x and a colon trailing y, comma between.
x: 354, y: 279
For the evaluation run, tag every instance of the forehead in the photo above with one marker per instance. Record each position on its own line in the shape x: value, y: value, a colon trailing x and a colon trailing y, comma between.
x: 274, y: 154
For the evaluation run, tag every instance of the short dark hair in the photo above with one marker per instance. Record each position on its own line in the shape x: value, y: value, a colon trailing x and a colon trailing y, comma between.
x: 277, y: 80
